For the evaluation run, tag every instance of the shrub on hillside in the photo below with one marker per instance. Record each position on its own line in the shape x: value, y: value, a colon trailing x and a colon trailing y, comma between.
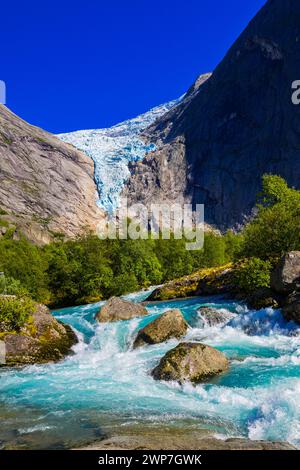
x: 14, y: 287
x: 252, y: 274
x: 275, y: 230
x: 14, y: 312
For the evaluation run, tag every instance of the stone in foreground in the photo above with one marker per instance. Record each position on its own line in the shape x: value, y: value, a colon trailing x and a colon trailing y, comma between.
x: 42, y: 339
x: 170, y: 324
x: 193, y: 362
x: 117, y: 309
x: 166, y: 439
x: 286, y: 276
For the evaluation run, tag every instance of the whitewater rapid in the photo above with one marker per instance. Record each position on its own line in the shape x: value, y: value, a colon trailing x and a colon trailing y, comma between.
x: 105, y: 387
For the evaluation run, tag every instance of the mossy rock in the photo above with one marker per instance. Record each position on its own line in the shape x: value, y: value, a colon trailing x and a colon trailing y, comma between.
x: 208, y: 281
x: 192, y: 362
x: 42, y: 339
x: 169, y: 325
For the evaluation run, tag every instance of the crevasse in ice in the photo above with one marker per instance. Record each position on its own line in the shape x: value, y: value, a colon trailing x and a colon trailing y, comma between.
x: 112, y: 150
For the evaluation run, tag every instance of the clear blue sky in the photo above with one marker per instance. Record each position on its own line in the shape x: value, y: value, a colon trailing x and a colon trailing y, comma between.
x: 72, y: 65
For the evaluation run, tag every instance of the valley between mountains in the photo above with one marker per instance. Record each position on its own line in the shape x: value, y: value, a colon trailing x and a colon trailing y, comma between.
x: 142, y: 344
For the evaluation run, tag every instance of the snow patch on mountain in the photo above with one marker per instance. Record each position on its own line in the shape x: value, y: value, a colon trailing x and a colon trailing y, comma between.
x: 112, y: 150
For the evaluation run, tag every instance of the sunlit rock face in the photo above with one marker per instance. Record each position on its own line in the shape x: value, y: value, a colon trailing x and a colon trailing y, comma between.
x: 46, y: 186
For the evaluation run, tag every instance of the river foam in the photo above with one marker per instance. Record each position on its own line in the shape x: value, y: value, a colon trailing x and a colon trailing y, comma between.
x: 106, y: 385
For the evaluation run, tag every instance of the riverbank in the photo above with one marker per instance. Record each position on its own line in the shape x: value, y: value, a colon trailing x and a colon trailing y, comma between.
x: 180, y: 439
x: 103, y: 395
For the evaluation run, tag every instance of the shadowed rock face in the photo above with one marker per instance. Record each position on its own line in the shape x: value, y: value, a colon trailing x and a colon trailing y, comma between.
x: 286, y: 276
x: 239, y: 124
x: 291, y: 310
x: 46, y: 186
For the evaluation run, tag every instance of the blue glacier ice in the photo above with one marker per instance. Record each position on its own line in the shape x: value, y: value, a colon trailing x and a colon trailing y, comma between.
x: 112, y: 150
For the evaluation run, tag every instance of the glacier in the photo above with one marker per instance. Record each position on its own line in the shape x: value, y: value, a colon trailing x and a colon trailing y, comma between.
x: 112, y: 149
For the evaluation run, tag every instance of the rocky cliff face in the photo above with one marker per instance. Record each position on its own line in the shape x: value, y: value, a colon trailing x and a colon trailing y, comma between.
x: 233, y: 127
x: 46, y: 186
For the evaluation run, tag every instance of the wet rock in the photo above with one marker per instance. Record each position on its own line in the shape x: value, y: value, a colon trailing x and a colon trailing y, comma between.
x: 291, y: 311
x: 263, y: 298
x: 212, y: 316
x: 193, y: 362
x: 168, y: 439
x: 42, y: 339
x: 170, y: 324
x: 286, y: 276
x: 117, y: 309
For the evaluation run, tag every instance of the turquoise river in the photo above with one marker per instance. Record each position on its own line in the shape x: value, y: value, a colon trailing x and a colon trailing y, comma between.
x: 105, y: 387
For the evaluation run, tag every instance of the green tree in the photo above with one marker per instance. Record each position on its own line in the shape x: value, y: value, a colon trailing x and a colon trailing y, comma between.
x: 175, y: 259
x: 252, y: 275
x: 78, y: 271
x: 26, y: 263
x: 275, y: 229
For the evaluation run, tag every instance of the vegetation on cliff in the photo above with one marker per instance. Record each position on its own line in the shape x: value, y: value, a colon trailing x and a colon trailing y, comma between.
x: 275, y: 230
x: 14, y: 312
x: 270, y: 234
x: 89, y: 269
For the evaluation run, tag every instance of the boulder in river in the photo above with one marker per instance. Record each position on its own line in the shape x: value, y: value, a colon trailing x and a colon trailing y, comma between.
x: 291, y: 311
x: 212, y: 316
x: 193, y: 362
x: 263, y: 297
x: 41, y: 339
x: 117, y: 309
x: 286, y: 276
x: 170, y: 324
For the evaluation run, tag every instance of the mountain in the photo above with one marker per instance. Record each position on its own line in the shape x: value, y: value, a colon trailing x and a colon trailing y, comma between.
x: 113, y: 149
x: 211, y: 146
x: 226, y: 133
x: 46, y: 186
